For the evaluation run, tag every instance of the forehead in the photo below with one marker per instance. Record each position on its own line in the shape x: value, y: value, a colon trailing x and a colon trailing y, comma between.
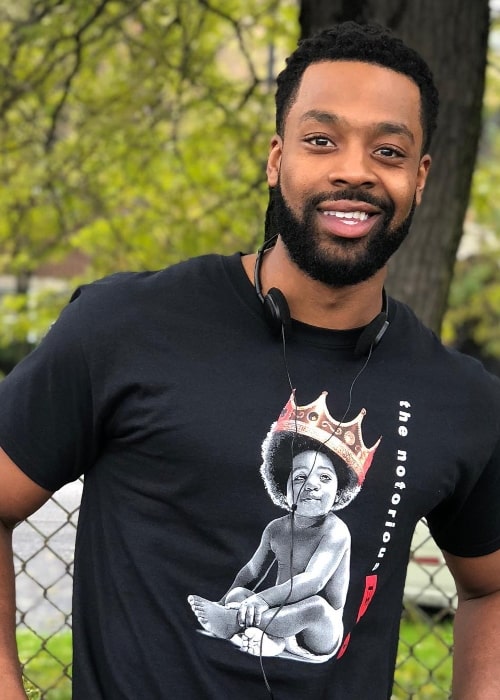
x: 311, y: 457
x: 361, y: 93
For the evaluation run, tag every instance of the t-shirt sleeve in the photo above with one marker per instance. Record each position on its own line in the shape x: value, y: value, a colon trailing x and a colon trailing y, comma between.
x: 473, y: 528
x: 46, y: 408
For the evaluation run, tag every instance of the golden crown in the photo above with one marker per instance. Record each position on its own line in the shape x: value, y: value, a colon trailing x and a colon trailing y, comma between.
x: 344, y: 439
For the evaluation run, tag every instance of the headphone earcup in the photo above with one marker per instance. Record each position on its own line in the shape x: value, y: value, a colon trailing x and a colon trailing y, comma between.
x: 371, y: 335
x: 276, y: 311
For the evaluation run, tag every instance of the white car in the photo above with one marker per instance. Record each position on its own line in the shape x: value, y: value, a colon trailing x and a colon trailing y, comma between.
x: 429, y: 583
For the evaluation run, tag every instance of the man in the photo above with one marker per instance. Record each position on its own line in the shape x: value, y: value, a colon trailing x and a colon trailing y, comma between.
x: 160, y: 389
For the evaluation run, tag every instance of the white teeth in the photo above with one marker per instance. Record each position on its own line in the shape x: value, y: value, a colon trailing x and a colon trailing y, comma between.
x: 360, y: 215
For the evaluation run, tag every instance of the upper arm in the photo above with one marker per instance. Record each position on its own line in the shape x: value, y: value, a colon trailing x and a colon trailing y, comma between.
x: 475, y: 576
x: 264, y: 550
x: 19, y: 495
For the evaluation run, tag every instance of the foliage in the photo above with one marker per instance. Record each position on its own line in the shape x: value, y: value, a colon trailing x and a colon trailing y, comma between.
x: 423, y: 665
x: 424, y: 662
x: 133, y: 131
x: 474, y: 305
x: 46, y: 664
x: 473, y: 315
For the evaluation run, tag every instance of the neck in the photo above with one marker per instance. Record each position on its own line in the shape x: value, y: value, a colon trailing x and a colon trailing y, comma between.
x: 313, y: 302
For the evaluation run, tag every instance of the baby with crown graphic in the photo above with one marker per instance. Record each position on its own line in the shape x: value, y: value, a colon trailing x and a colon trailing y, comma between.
x: 312, y: 466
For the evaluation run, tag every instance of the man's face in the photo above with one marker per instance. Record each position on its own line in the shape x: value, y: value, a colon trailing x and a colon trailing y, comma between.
x: 312, y: 484
x: 348, y: 172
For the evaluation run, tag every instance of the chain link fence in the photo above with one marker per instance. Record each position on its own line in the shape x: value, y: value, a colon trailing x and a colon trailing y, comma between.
x: 43, y: 559
x: 43, y: 548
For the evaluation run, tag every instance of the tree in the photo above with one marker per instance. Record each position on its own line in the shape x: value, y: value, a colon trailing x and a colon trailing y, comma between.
x: 121, y: 122
x: 472, y: 320
x: 452, y: 36
x: 135, y: 131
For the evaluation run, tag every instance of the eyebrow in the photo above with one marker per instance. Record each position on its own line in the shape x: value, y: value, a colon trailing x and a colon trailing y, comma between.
x: 317, y: 467
x: 380, y: 128
x: 318, y: 115
x: 394, y: 128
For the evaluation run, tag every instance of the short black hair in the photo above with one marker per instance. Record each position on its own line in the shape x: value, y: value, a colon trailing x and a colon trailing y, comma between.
x: 368, y: 43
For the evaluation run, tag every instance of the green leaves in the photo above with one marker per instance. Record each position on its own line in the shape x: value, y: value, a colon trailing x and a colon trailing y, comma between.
x: 473, y: 314
x: 135, y: 132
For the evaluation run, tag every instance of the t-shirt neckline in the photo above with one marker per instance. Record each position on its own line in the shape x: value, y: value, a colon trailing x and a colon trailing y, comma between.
x: 302, y: 332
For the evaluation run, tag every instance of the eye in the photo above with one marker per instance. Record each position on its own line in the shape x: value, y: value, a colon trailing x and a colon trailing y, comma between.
x: 389, y: 152
x: 326, y: 478
x: 319, y: 141
x: 299, y: 477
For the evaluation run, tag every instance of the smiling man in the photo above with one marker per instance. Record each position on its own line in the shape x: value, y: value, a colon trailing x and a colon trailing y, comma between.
x: 160, y: 389
x: 352, y: 170
x: 347, y: 169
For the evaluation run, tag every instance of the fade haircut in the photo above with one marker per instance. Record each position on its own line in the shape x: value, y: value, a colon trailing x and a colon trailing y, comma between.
x: 369, y: 43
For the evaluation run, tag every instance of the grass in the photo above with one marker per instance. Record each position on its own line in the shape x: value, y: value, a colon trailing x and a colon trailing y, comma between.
x: 423, y: 663
x: 47, y: 664
x: 423, y: 669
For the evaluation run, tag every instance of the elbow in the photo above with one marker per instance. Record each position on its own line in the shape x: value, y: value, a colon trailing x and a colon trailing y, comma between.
x: 8, y: 525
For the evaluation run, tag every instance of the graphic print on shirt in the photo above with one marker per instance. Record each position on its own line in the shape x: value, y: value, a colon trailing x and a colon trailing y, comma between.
x: 312, y: 467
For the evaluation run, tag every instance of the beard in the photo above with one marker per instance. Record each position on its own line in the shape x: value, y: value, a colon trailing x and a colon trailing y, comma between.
x: 350, y: 260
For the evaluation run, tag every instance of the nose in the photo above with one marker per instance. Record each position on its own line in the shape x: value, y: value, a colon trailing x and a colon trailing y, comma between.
x: 312, y: 483
x: 351, y: 166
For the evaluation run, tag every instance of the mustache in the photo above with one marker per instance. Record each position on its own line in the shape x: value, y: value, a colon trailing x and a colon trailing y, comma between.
x: 352, y: 194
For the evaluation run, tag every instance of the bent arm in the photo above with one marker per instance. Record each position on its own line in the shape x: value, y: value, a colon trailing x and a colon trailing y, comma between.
x: 476, y: 663
x: 19, y: 497
x: 257, y: 567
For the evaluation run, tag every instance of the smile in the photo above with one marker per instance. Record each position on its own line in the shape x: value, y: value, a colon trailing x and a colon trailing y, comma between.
x: 356, y: 215
x: 345, y: 218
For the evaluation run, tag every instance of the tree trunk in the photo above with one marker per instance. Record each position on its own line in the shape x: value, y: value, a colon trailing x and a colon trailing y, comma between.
x: 452, y: 36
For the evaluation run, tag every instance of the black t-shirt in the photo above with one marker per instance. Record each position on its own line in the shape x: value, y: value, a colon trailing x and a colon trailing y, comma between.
x: 169, y: 393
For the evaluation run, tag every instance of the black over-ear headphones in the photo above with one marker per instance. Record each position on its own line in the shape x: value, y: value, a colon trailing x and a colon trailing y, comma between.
x: 277, y: 312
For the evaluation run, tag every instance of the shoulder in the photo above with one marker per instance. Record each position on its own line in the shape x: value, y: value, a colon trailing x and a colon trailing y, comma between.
x: 277, y: 526
x: 278, y: 531
x: 125, y: 285
x: 429, y: 358
x: 125, y: 298
x: 336, y: 530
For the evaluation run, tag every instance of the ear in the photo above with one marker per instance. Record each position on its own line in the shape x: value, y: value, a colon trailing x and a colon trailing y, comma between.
x: 423, y: 171
x: 274, y: 160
